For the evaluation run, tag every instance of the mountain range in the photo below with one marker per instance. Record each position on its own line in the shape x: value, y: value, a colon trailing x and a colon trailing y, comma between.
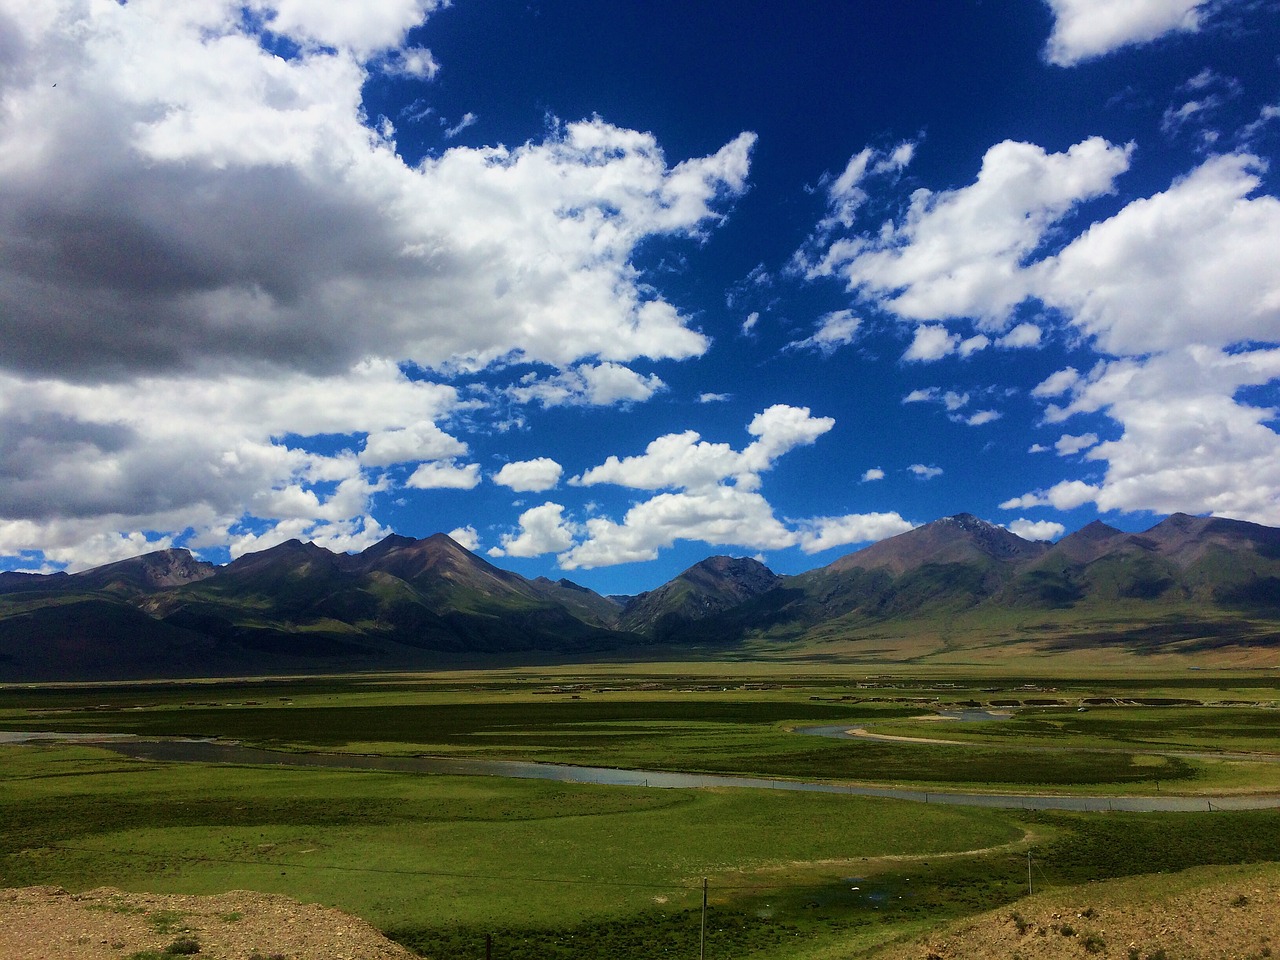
x: 938, y: 593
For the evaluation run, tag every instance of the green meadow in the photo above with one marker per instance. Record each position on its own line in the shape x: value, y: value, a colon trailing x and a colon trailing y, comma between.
x: 576, y: 870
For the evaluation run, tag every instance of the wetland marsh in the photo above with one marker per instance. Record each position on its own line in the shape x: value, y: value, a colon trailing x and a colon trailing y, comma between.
x: 574, y: 869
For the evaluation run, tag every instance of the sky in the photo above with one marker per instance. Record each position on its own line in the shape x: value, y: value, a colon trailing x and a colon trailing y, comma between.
x: 601, y: 288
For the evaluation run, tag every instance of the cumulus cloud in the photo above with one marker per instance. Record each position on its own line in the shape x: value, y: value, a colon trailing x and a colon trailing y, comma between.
x: 80, y: 463
x: 713, y: 492
x: 931, y: 342
x: 925, y: 472
x: 959, y: 253
x: 542, y: 530
x: 465, y: 537
x: 1178, y: 288
x: 1194, y: 264
x: 445, y: 476
x: 1037, y: 529
x: 1057, y: 384
x: 419, y: 441
x: 1086, y: 29
x: 190, y: 223
x: 834, y: 330
x: 685, y: 460
x: 713, y: 397
x: 535, y: 475
x: 1189, y: 443
x: 598, y: 384
x: 1069, y: 445
x: 1066, y: 495
x: 823, y: 533
x: 954, y: 401
x: 846, y: 193
x: 1022, y: 336
x: 875, y: 473
x: 717, y: 515
x: 980, y: 417
x: 468, y: 120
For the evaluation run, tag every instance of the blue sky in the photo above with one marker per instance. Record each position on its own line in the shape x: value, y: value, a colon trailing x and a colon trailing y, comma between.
x: 604, y: 288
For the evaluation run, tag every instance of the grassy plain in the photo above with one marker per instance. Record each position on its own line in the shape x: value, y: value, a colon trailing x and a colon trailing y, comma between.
x: 569, y: 870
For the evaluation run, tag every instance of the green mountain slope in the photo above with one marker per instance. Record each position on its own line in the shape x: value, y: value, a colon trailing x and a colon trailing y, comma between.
x: 955, y: 590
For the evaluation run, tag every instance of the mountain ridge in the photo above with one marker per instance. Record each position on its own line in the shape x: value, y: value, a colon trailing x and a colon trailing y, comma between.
x: 403, y: 603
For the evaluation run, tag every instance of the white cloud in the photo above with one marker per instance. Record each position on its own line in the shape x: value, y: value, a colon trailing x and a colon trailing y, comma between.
x: 445, y: 476
x: 346, y: 536
x: 749, y: 324
x: 1066, y: 495
x: 419, y: 441
x: 823, y: 533
x: 1180, y: 286
x: 971, y: 345
x: 536, y: 475
x: 713, y: 397
x: 718, y: 515
x: 715, y: 498
x: 468, y: 120
x: 983, y: 416
x: 875, y: 473
x: 676, y: 460
x: 372, y: 26
x: 1188, y: 443
x: 931, y: 342
x: 81, y: 463
x: 1022, y: 336
x: 846, y: 193
x: 1085, y: 29
x: 1037, y: 529
x: 685, y: 460
x: 1069, y: 445
x: 834, y: 330
x: 465, y: 537
x: 1192, y: 265
x: 601, y: 384
x: 924, y: 472
x: 416, y: 62
x: 223, y: 214
x: 1057, y: 384
x: 542, y: 530
x: 953, y: 401
x: 959, y: 253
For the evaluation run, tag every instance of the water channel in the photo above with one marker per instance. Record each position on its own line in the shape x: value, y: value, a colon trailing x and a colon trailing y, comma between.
x: 214, y: 751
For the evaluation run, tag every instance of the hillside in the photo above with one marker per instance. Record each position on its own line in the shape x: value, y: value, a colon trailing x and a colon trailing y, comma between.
x: 1200, y: 914
x: 676, y: 609
x: 955, y: 590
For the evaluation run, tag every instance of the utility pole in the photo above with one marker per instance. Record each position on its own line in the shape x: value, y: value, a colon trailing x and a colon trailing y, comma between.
x: 1028, y: 871
x: 702, y: 937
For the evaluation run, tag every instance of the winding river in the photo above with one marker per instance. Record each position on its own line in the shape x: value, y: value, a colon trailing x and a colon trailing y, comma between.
x: 213, y: 751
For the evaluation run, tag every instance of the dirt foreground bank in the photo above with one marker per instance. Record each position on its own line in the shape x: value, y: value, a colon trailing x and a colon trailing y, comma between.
x: 48, y: 923
x: 1203, y: 914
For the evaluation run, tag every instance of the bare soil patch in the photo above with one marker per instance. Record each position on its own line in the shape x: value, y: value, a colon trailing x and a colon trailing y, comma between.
x: 48, y: 923
x: 1197, y: 915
